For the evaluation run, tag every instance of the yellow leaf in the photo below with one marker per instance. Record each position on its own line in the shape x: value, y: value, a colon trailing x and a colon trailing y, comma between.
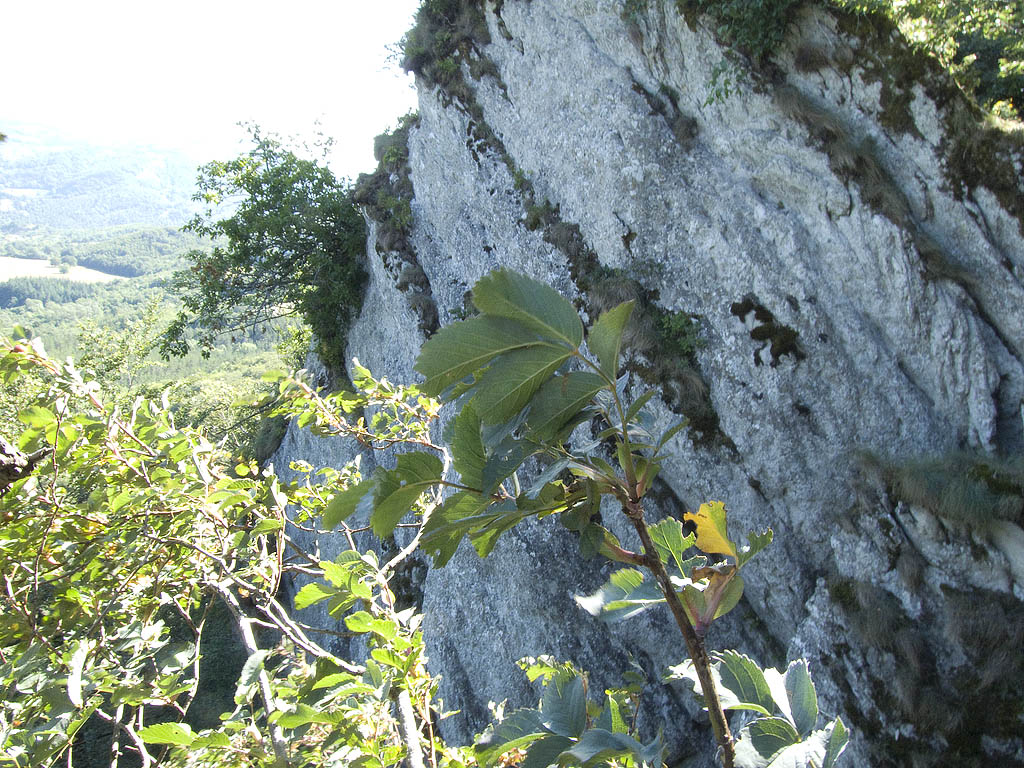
x: 712, y: 535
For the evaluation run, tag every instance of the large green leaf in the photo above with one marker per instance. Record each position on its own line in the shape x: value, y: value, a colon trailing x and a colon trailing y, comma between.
x: 597, y: 746
x: 560, y: 400
x: 459, y: 349
x: 468, y: 456
x: 563, y: 708
x: 809, y: 753
x: 313, y: 593
x: 605, y: 339
x: 532, y: 303
x: 398, y: 489
x: 512, y: 380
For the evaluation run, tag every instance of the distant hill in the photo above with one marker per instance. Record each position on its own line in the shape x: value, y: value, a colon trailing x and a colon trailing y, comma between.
x: 49, y: 182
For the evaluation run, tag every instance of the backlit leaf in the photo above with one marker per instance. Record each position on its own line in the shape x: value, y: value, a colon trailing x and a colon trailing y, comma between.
x: 468, y: 456
x: 712, y: 534
x: 176, y: 734
x: 344, y: 504
x: 398, y: 489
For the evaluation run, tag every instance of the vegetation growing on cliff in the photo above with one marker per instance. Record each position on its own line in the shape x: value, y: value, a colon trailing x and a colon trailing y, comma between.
x: 131, y: 528
x: 292, y: 243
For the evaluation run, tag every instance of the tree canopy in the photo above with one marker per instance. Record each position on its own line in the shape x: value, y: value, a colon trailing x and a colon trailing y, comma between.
x: 292, y: 242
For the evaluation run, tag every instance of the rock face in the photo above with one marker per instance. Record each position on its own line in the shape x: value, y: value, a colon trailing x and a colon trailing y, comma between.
x: 859, y: 296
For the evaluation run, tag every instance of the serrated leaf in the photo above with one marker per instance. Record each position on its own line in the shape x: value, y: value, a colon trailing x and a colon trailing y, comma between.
x: 712, y: 532
x: 838, y: 738
x: 669, y: 433
x: 605, y: 339
x: 803, y: 700
x: 563, y: 709
x: 176, y: 734
x: 624, y: 595
x: 468, y: 455
x: 344, y: 504
x: 512, y: 380
x: 770, y: 735
x: 744, y: 681
x: 560, y: 400
x: 668, y: 538
x: 397, y: 490
x: 530, y: 302
x: 462, y: 348
x: 808, y: 753
x: 777, y: 685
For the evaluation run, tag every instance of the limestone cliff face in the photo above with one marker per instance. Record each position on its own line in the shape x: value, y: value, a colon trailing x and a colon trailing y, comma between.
x: 857, y: 278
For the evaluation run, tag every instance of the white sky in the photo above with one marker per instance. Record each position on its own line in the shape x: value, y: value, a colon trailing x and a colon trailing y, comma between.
x: 182, y: 74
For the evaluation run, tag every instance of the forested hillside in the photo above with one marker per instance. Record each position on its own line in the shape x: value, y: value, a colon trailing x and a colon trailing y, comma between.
x: 50, y: 182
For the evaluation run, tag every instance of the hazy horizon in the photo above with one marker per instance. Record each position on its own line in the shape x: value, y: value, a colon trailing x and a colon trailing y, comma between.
x: 182, y: 78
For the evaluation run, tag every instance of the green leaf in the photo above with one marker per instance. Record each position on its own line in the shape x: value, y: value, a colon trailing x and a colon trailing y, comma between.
x: 605, y: 339
x: 360, y: 622
x: 450, y: 522
x: 36, y: 416
x: 803, y: 701
x: 267, y: 525
x: 667, y: 535
x: 560, y: 400
x: 744, y: 682
x: 598, y: 746
x: 510, y: 382
x: 344, y: 504
x: 769, y: 735
x: 563, y: 708
x: 758, y: 541
x: 545, y: 751
x: 312, y: 594
x: 517, y: 730
x: 808, y: 753
x: 304, y: 715
x: 531, y: 302
x: 506, y: 459
x: 398, y: 489
x: 462, y: 348
x: 838, y: 738
x: 625, y: 594
x: 214, y: 739
x: 468, y: 456
x: 176, y: 734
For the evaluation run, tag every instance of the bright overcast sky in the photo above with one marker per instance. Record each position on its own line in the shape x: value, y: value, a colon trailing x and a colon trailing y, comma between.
x: 182, y: 74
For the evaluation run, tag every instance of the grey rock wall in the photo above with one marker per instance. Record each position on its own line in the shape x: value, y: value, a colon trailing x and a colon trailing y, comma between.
x: 904, y: 290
